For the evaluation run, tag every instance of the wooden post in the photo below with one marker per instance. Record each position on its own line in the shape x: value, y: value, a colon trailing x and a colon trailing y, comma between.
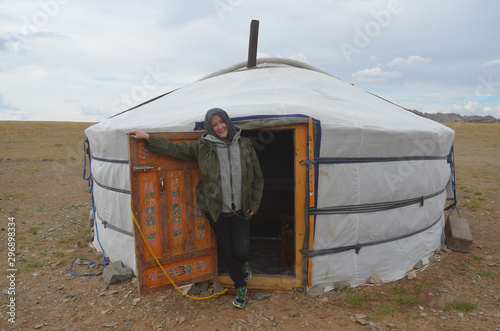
x: 310, y: 150
x: 252, y: 47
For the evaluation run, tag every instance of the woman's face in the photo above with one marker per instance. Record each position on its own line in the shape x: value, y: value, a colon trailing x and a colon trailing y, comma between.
x: 219, y: 126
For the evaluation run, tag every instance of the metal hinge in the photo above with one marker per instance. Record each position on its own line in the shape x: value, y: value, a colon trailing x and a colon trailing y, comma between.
x: 142, y: 168
x: 307, y: 162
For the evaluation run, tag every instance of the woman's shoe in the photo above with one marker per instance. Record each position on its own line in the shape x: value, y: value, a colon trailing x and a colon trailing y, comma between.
x: 240, y: 300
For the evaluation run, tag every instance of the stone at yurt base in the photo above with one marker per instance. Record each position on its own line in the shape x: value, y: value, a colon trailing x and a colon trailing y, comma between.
x: 458, y: 234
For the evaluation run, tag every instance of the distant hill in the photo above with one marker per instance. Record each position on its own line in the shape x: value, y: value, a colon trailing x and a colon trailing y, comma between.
x: 451, y: 117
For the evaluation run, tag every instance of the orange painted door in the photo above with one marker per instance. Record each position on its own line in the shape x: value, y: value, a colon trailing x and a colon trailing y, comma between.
x: 164, y: 204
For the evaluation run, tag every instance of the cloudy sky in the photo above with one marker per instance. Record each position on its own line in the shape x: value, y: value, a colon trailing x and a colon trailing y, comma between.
x: 69, y: 60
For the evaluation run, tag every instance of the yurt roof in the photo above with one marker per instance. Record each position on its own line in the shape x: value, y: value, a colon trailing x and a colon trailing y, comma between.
x: 276, y: 87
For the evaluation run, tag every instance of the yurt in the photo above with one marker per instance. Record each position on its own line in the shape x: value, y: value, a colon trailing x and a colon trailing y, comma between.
x: 355, y: 185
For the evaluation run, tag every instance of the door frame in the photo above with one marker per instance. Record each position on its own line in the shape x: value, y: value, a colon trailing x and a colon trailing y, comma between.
x: 287, y: 282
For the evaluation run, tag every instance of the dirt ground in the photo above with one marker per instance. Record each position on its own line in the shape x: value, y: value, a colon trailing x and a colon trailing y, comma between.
x: 42, y: 192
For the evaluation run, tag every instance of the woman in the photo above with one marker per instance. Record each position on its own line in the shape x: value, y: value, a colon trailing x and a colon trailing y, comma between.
x: 229, y: 191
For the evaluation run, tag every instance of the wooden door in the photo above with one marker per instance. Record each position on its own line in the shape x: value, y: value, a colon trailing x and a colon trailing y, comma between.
x: 164, y: 205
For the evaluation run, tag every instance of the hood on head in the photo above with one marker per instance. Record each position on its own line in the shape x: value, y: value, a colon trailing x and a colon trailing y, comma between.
x: 231, y: 128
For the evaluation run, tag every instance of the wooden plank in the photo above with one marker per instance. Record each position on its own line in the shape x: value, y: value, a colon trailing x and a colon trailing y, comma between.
x: 164, y: 204
x: 265, y: 282
x: 201, y: 230
x: 252, y: 44
x: 300, y: 197
x: 311, y: 182
x: 149, y: 204
x: 176, y: 210
x: 287, y: 243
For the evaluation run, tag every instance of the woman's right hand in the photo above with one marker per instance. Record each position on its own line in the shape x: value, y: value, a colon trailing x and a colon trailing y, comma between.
x: 138, y: 134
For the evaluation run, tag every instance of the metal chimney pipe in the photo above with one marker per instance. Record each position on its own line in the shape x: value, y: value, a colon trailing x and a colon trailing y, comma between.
x: 252, y: 47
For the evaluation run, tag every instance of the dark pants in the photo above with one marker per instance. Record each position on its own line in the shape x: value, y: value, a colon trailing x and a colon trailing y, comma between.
x: 233, y: 236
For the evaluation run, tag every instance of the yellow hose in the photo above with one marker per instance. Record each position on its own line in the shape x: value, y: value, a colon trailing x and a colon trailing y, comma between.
x: 165, y: 272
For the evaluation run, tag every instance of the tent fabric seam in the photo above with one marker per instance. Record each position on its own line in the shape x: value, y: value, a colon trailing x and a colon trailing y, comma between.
x: 241, y: 81
x: 278, y: 100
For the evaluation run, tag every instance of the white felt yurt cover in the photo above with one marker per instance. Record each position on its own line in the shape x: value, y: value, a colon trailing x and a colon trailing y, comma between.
x: 375, y: 152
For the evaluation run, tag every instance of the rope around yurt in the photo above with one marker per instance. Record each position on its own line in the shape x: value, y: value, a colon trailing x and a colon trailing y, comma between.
x: 90, y: 182
x: 163, y: 269
x: 451, y: 161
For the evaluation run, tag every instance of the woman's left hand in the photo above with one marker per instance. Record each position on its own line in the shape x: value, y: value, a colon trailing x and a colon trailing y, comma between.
x: 249, y: 212
x: 138, y: 134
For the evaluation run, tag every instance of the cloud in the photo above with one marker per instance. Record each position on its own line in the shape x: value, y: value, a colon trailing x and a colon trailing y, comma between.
x: 300, y: 57
x: 18, y: 43
x: 10, y: 42
x: 6, y: 106
x: 3, y: 44
x: 374, y: 75
x: 475, y: 108
x: 8, y: 111
x: 492, y: 63
x: 410, y: 61
x: 87, y: 110
x: 71, y: 53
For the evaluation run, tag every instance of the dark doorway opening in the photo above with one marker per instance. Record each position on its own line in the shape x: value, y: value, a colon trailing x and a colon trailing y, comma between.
x: 272, y: 228
x: 272, y: 236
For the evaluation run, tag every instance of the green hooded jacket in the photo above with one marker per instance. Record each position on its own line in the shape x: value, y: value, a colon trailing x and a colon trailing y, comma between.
x: 208, y: 190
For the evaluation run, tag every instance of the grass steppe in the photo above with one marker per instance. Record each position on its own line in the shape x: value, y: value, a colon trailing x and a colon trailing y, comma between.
x: 41, y: 187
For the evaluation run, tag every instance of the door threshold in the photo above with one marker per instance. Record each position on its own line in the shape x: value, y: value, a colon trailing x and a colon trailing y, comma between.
x: 264, y: 282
